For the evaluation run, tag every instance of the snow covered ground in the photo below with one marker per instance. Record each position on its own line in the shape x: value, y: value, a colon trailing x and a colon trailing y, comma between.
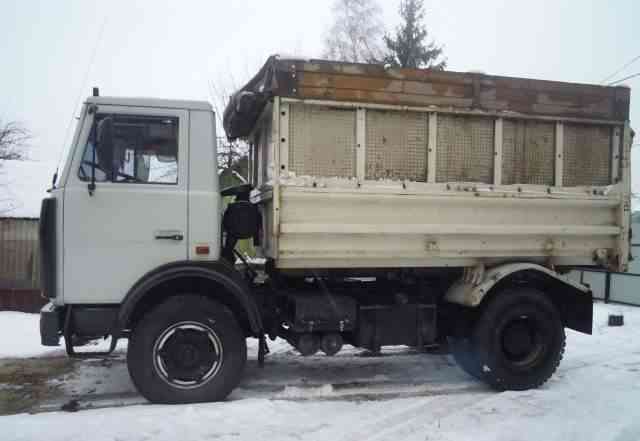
x: 595, y: 395
x: 21, y: 337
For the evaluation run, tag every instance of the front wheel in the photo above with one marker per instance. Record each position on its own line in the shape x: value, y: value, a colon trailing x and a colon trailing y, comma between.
x: 187, y: 349
x: 517, y: 341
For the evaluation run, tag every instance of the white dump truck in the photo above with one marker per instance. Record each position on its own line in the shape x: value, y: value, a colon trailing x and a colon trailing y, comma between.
x: 391, y: 207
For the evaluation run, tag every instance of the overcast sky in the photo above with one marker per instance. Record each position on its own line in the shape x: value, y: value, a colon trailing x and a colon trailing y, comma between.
x: 174, y: 49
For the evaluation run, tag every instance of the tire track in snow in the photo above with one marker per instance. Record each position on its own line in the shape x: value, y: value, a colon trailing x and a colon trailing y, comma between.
x: 367, y: 391
x: 407, y: 419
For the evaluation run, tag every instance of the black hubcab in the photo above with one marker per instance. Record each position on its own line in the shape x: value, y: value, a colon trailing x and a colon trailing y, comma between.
x: 187, y: 354
x: 522, y: 341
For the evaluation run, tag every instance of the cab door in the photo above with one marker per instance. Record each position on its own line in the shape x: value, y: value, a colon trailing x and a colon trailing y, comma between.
x: 135, y: 218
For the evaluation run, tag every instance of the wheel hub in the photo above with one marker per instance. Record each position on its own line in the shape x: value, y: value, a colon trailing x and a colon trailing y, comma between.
x: 187, y: 354
x: 519, y: 339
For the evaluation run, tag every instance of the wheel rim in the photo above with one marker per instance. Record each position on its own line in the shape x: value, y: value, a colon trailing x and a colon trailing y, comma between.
x: 523, y: 341
x: 187, y: 355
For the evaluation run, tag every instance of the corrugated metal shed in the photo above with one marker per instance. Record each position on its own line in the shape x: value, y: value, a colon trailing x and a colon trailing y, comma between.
x: 19, y: 264
x: 617, y: 287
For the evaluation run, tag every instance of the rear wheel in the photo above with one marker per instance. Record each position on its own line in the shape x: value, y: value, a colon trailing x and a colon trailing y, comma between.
x: 517, y: 342
x: 465, y: 356
x: 187, y: 349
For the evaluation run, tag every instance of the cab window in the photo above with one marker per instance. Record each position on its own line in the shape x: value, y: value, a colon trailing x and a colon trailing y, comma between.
x: 140, y: 149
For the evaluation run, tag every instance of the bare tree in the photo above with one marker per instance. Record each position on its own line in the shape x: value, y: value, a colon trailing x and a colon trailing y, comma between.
x: 13, y: 140
x: 356, y: 32
x: 232, y: 155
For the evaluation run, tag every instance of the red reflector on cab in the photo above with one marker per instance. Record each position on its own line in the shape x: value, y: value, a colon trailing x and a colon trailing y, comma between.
x: 202, y: 250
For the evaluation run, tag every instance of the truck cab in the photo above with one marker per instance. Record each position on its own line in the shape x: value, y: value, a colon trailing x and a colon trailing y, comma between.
x: 135, y: 199
x: 136, y: 204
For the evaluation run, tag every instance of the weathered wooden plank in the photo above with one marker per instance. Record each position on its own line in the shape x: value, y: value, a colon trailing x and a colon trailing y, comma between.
x: 452, y: 91
x: 328, y: 93
x: 361, y: 82
x: 374, y: 83
x: 377, y: 70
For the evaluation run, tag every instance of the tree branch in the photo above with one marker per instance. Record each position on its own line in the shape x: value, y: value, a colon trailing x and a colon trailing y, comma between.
x: 13, y: 139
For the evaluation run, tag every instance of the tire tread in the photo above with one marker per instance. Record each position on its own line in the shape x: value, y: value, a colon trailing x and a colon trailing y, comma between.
x: 142, y: 338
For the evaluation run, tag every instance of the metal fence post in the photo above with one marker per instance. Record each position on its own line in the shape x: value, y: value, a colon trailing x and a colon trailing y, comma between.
x: 607, y: 287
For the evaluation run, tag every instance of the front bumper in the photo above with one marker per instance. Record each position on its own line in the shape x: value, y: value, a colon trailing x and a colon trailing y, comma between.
x: 51, y: 320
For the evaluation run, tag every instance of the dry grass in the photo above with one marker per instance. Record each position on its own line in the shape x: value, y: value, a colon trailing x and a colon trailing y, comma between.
x: 25, y: 382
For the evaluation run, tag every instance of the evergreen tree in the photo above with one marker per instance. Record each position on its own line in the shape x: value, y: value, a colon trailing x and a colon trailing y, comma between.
x: 410, y: 46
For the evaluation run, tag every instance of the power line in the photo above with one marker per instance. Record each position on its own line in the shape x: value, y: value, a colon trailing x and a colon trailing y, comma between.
x: 82, y: 86
x: 621, y: 69
x: 624, y: 79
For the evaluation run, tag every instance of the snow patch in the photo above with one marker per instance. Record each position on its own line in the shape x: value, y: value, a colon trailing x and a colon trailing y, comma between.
x: 326, y: 390
x: 23, y: 184
x: 21, y: 338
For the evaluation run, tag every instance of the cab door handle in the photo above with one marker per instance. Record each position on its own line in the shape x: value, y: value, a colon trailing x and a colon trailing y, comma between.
x: 169, y: 235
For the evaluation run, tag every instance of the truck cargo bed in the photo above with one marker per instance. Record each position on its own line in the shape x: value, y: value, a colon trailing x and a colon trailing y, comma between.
x: 361, y: 166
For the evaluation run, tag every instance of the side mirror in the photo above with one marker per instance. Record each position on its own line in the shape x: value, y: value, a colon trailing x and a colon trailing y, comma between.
x: 104, y: 145
x: 241, y: 192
